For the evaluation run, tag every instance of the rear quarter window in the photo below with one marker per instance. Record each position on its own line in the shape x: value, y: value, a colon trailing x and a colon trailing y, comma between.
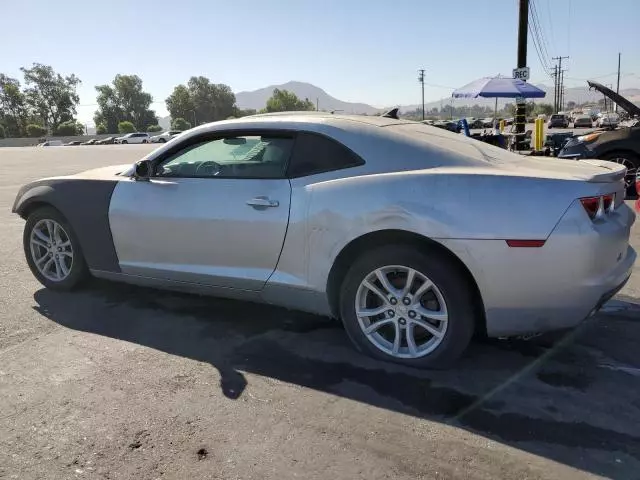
x: 314, y: 153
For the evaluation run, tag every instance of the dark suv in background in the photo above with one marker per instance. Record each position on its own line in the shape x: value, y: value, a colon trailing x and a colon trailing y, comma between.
x: 558, y: 121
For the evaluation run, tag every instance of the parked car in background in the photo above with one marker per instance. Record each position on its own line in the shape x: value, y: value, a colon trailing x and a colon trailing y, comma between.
x: 582, y: 121
x: 448, y: 125
x: 51, y: 143
x: 165, y: 136
x: 542, y: 116
x: 73, y: 143
x: 558, y: 120
x: 475, y: 123
x: 488, y: 122
x: 106, y: 141
x: 139, y: 137
x: 359, y: 218
x: 607, y: 120
x: 621, y: 145
x: 90, y: 142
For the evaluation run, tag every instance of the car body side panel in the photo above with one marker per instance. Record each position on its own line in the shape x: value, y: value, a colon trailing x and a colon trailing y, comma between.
x: 84, y: 202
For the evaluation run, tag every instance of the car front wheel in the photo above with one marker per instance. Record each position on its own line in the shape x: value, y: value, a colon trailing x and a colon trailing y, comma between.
x: 52, y: 250
x: 162, y: 140
x: 403, y: 305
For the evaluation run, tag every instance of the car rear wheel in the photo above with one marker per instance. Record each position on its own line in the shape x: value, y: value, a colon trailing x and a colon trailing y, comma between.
x: 124, y: 142
x: 144, y: 141
x: 402, y: 305
x: 162, y: 140
x: 52, y: 250
x: 632, y: 162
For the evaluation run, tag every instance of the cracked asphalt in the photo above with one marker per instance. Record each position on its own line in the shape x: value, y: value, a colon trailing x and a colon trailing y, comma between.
x: 119, y: 382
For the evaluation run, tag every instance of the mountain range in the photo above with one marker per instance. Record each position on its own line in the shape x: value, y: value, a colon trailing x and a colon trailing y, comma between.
x: 257, y: 99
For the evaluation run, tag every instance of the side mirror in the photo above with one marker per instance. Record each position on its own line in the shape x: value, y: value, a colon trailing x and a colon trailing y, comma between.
x: 143, y: 170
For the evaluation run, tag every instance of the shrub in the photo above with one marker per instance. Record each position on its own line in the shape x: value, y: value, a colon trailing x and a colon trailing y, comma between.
x: 154, y: 128
x: 101, y: 129
x: 180, y: 124
x: 69, y: 128
x: 34, y: 130
x: 126, y: 127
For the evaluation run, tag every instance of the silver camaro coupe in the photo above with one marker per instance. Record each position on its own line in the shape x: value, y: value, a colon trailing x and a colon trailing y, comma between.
x: 413, y: 236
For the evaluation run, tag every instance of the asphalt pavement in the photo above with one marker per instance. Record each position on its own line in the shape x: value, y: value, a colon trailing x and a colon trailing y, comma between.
x: 118, y: 382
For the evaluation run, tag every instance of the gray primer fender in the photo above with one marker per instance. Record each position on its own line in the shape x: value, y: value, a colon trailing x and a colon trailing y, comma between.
x: 85, y: 205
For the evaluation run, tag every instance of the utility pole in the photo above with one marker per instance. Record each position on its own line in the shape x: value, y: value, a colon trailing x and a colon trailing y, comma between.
x: 559, y: 77
x: 523, y: 23
x: 561, y: 90
x: 618, y: 85
x: 555, y: 88
x: 421, y: 80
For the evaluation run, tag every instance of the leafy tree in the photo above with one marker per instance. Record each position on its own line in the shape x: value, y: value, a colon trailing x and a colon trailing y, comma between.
x: 154, y: 128
x: 124, y: 101
x: 34, y: 130
x: 13, y: 107
x: 101, y: 129
x: 2, y: 132
x: 126, y: 127
x: 543, y: 108
x: 239, y: 113
x: 286, y: 101
x: 68, y: 128
x: 571, y: 105
x: 51, y: 96
x: 209, y: 102
x: 180, y: 124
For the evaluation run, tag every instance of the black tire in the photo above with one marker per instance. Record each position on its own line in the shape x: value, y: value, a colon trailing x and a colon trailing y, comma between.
x: 448, y: 278
x: 631, y: 158
x: 78, y: 271
x: 124, y: 142
x: 162, y: 140
x: 144, y: 141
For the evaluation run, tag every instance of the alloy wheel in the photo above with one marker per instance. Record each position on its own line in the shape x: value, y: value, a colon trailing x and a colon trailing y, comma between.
x: 630, y: 177
x: 51, y: 250
x: 401, y: 311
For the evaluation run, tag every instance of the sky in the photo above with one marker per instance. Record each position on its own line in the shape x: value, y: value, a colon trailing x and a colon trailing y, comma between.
x: 357, y: 50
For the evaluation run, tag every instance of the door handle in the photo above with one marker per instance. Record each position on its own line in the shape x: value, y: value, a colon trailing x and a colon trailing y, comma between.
x: 263, y: 202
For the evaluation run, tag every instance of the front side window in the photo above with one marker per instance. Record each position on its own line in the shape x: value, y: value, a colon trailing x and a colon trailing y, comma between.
x: 247, y: 156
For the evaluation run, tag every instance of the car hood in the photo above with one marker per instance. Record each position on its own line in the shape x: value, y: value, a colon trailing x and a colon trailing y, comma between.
x: 626, y: 105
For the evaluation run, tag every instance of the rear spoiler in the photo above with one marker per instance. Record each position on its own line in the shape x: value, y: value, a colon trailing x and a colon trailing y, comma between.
x: 612, y: 172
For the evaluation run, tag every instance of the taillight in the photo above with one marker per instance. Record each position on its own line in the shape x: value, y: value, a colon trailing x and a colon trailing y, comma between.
x: 596, y: 207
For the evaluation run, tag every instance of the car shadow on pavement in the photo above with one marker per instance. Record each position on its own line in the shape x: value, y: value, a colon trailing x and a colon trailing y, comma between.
x: 555, y: 396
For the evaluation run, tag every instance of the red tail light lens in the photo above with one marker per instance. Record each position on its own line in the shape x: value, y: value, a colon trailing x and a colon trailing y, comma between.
x: 598, y: 206
x: 591, y: 205
x: 526, y: 243
x: 609, y: 201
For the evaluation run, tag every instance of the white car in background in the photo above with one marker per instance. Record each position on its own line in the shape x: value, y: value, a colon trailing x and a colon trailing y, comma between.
x: 607, y: 120
x: 165, y: 136
x: 51, y: 143
x: 133, y: 138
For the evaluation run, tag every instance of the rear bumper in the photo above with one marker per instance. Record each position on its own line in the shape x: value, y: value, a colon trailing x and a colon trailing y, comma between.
x: 557, y: 286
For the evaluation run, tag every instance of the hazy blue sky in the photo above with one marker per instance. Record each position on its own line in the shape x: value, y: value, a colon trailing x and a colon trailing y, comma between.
x: 357, y: 50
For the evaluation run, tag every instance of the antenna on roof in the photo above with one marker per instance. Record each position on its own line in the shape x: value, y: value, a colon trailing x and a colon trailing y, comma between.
x: 393, y: 113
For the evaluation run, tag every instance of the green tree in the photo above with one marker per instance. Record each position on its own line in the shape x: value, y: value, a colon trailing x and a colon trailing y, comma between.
x: 35, y: 130
x: 101, y: 129
x: 126, y: 127
x: 124, y: 101
x: 543, y: 108
x: 68, y: 128
x: 286, y: 101
x: 13, y: 106
x: 239, y: 113
x: 51, y: 96
x: 180, y: 124
x: 154, y: 128
x: 571, y: 105
x: 2, y: 132
x: 207, y: 101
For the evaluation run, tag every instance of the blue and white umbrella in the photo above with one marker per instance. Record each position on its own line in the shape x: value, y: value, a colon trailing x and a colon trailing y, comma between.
x: 498, y: 87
